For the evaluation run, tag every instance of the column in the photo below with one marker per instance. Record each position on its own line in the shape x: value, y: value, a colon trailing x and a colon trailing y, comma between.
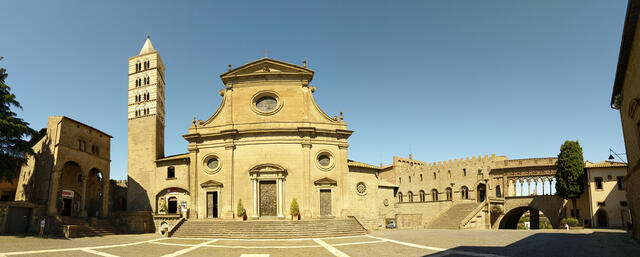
x: 534, y: 218
x: 521, y: 182
x: 53, y: 193
x: 280, y: 198
x: 535, y: 182
x: 255, y: 198
x: 544, y: 181
x: 83, y: 203
x: 105, y: 198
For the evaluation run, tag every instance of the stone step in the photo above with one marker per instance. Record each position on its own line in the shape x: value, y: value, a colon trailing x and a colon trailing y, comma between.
x: 269, y: 228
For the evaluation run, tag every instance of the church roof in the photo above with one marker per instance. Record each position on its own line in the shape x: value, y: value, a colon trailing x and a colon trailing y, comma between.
x: 604, y: 164
x: 174, y: 157
x: 361, y: 164
x: 147, y: 47
x: 267, y: 67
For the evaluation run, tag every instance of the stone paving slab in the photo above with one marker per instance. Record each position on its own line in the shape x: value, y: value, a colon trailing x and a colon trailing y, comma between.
x: 263, y: 242
x: 19, y: 243
x: 182, y: 241
x: 62, y: 254
x: 292, y: 252
x: 383, y: 249
x: 348, y: 240
x: 141, y: 250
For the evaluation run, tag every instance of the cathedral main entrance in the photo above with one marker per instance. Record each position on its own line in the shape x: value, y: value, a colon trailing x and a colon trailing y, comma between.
x: 268, y: 198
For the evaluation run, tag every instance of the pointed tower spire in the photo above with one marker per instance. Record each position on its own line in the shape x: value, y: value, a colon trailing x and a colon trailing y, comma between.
x: 147, y: 47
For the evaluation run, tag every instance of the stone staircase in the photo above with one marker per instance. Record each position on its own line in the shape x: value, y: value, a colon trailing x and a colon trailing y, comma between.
x: 83, y: 228
x: 269, y: 228
x: 452, y: 217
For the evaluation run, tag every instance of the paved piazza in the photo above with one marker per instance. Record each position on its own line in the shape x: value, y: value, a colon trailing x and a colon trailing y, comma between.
x: 383, y: 243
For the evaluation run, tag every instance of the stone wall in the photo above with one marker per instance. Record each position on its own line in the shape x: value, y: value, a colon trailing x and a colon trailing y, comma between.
x: 426, y: 210
x: 133, y: 222
x: 37, y: 213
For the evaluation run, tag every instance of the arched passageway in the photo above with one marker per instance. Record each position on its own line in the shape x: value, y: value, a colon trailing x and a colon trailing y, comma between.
x: 70, y: 188
x: 481, y: 192
x: 535, y: 217
x: 602, y: 218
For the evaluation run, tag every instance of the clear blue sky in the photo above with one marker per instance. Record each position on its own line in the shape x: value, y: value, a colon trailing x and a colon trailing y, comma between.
x: 439, y: 79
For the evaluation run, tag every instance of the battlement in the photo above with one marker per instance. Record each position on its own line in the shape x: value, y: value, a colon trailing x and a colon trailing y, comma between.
x: 529, y: 162
x: 466, y: 161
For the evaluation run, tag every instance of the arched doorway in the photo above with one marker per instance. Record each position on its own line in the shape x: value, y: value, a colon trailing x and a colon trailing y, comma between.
x: 525, y: 218
x: 70, y: 186
x: 464, y: 192
x: 94, y: 193
x: 481, y: 192
x: 172, y: 206
x: 601, y: 217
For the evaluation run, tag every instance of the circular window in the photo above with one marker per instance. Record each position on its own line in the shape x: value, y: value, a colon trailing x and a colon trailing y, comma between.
x: 266, y: 103
x: 212, y: 164
x: 361, y: 188
x: 324, y: 160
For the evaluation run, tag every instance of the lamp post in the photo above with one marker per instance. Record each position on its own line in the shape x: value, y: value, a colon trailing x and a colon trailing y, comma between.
x: 611, y: 158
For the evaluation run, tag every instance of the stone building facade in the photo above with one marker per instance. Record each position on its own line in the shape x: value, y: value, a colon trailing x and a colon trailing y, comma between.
x: 69, y: 173
x: 267, y: 144
x: 626, y: 98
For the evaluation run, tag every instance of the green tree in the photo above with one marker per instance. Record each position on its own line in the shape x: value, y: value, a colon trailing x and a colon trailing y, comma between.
x: 294, y: 209
x: 15, y: 133
x: 570, y: 171
x: 240, y: 211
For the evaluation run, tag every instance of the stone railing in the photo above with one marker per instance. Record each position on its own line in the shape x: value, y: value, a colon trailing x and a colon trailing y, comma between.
x: 473, y: 213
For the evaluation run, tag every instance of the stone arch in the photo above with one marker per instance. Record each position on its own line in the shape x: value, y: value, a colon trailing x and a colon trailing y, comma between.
x: 449, y: 193
x: 410, y: 196
x: 94, y: 192
x: 422, y: 195
x: 550, y: 205
x: 511, y: 218
x: 163, y: 196
x: 434, y: 194
x: 69, y: 193
x: 602, y: 218
x: 464, y: 192
x: 481, y: 192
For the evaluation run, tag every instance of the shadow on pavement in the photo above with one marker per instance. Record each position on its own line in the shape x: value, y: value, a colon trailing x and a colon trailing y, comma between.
x: 559, y: 244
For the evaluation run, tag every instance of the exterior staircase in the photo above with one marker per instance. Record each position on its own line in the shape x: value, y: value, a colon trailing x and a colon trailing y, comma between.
x: 83, y: 228
x: 269, y: 228
x: 452, y: 217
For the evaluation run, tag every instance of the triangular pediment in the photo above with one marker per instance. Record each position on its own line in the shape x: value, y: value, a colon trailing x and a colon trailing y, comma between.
x: 325, y: 181
x: 211, y: 183
x: 266, y: 66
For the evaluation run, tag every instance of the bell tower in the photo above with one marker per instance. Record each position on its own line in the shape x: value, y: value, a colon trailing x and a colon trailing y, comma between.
x: 146, y: 126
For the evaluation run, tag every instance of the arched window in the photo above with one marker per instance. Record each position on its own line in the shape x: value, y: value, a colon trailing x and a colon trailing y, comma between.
x: 171, y: 172
x: 422, y: 196
x: 434, y: 194
x: 410, y: 196
x: 138, y: 67
x: 148, y: 96
x: 147, y: 81
x: 399, y: 197
x: 498, y: 192
x: 420, y: 177
x: 449, y: 194
x: 464, y: 192
x: 409, y: 179
x: 434, y: 175
x: 464, y: 172
x: 399, y: 180
x: 449, y: 173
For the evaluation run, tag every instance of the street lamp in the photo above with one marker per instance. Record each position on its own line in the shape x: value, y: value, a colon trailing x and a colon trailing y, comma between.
x: 611, y: 158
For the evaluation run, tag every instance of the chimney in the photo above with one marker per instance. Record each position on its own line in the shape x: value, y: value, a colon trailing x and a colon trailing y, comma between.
x: 410, y: 157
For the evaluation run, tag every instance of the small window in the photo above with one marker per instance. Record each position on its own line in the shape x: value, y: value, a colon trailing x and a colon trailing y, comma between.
x: 464, y: 172
x: 410, y: 196
x: 498, y: 192
x: 434, y: 175
x: 399, y: 197
x: 623, y: 203
x: 479, y: 171
x: 620, y: 183
x: 598, y: 182
x: 601, y: 204
x: 409, y: 179
x: 171, y: 172
x: 434, y: 195
x: 399, y: 180
x: 420, y: 177
x: 449, y: 174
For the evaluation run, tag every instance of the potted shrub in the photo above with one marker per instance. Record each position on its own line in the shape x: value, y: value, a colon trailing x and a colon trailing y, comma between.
x: 294, y: 209
x: 241, y: 212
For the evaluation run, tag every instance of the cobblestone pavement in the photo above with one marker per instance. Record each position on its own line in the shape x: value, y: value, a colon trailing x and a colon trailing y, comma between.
x: 398, y: 243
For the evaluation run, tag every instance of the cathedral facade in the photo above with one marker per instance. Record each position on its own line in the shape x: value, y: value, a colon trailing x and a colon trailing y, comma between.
x: 267, y: 145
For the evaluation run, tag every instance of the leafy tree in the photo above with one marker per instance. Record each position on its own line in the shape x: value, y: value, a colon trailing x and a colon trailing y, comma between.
x: 570, y: 171
x: 294, y: 209
x: 14, y: 132
x: 240, y: 211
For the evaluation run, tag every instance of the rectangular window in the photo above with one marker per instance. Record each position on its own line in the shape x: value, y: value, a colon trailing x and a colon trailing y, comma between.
x: 620, y: 183
x: 598, y: 182
x: 601, y: 204
x: 623, y: 203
